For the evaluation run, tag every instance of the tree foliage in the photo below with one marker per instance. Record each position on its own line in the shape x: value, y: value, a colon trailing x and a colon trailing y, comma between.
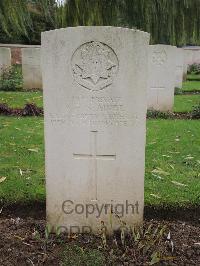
x: 174, y: 22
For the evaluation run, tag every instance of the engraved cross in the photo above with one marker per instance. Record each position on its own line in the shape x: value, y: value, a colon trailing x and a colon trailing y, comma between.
x: 94, y: 156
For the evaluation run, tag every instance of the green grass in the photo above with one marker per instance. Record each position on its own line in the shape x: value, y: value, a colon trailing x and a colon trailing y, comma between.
x: 191, y: 86
x: 19, y: 99
x: 193, y: 77
x: 192, y: 83
x: 172, y: 153
x: 172, y: 145
x: 23, y: 168
x: 185, y: 103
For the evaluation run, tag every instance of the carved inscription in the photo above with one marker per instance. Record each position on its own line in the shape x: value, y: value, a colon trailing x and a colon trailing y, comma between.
x: 94, y: 65
x: 95, y: 111
x: 159, y: 56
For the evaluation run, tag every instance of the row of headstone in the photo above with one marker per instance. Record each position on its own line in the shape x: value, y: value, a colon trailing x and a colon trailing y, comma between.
x: 167, y: 65
x: 98, y: 82
x: 31, y: 66
x: 95, y: 83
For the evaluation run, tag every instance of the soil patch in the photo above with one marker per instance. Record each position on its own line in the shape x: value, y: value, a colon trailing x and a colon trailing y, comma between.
x: 23, y: 242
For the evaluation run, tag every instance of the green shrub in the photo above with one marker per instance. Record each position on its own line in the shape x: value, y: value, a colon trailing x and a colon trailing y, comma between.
x: 158, y: 114
x: 11, y: 78
x: 195, y: 114
x: 194, y: 69
x: 178, y: 91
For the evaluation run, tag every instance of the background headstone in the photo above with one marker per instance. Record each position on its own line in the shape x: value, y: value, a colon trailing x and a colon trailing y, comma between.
x: 5, y: 58
x: 179, y: 57
x: 16, y: 56
x: 191, y: 56
x: 31, y: 68
x: 95, y: 111
x: 161, y: 77
x: 188, y: 60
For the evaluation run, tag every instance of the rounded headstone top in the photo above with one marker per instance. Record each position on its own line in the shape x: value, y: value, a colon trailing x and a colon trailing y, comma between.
x: 93, y: 28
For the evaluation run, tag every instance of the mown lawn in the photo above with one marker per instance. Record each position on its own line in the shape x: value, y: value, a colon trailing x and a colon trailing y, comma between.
x: 193, y: 77
x: 191, y: 86
x: 172, y: 154
x: 185, y: 103
x: 22, y: 159
x: 19, y: 99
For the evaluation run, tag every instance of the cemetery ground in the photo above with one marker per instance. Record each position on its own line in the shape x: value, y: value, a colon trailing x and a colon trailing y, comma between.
x: 172, y: 195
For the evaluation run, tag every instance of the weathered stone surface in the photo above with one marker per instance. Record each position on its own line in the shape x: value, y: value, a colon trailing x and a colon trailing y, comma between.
x: 161, y: 77
x: 5, y: 58
x: 188, y: 60
x: 179, y: 58
x: 31, y: 68
x: 95, y: 109
x: 16, y: 54
x: 192, y: 54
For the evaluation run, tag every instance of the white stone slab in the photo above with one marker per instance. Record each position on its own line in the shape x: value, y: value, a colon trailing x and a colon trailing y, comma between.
x: 188, y: 59
x: 185, y: 68
x: 196, y: 56
x: 95, y: 109
x: 179, y: 57
x: 5, y: 58
x: 161, y: 77
x: 191, y: 56
x: 31, y: 68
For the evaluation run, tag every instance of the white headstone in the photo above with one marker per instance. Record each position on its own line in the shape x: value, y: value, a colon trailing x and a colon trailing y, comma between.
x: 31, y: 68
x: 192, y: 55
x: 5, y: 58
x: 161, y: 77
x: 196, y: 57
x: 188, y: 60
x: 179, y: 57
x: 95, y: 109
